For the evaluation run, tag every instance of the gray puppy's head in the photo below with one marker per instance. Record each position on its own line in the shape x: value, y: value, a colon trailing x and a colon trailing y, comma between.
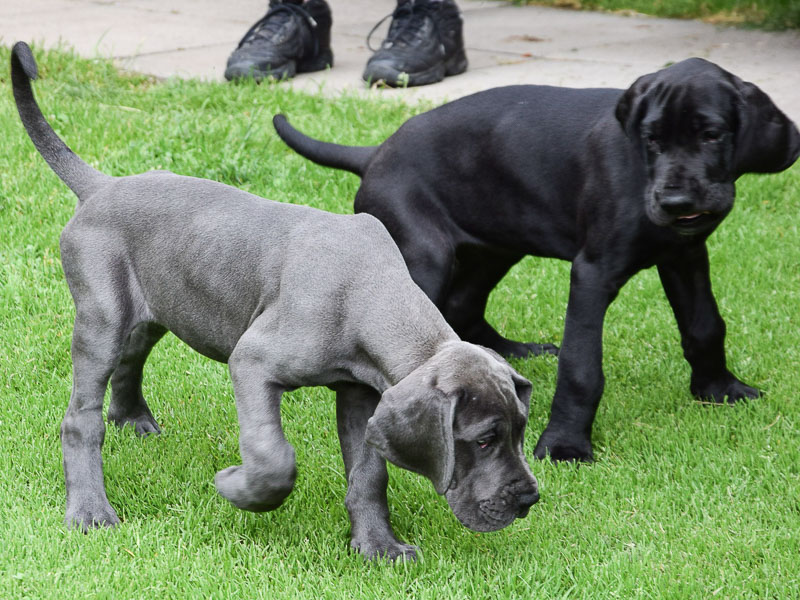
x: 459, y: 420
x: 699, y: 128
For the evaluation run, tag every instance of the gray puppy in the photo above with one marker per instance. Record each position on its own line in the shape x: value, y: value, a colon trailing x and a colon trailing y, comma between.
x: 288, y: 296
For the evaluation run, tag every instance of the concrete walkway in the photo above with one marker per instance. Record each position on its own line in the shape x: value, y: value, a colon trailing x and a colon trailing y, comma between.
x: 506, y: 44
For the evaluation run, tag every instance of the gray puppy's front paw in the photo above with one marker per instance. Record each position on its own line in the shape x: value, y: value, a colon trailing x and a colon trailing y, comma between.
x: 256, y: 496
x: 87, y: 518
x: 390, y: 550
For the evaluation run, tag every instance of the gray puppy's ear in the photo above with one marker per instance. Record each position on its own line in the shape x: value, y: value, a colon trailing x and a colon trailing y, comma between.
x: 412, y: 427
x: 766, y: 140
x: 522, y: 386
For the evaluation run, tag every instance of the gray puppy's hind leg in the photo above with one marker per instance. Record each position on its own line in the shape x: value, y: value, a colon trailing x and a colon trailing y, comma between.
x: 371, y: 532
x: 268, y: 470
x: 104, y: 318
x: 128, y: 406
x: 95, y: 350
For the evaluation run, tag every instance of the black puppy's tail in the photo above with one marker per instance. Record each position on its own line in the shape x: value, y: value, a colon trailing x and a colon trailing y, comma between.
x: 80, y: 177
x: 355, y: 159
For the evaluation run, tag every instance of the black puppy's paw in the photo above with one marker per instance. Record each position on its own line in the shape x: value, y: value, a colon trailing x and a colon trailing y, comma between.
x: 537, y: 349
x: 560, y: 447
x: 727, y: 389
x: 526, y: 349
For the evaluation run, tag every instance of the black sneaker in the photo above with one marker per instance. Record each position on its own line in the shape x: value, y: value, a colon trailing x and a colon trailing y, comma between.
x: 425, y: 43
x: 293, y: 37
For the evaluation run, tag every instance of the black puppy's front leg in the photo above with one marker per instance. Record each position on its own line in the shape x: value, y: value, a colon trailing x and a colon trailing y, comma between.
x: 687, y: 283
x: 371, y: 533
x: 580, y: 378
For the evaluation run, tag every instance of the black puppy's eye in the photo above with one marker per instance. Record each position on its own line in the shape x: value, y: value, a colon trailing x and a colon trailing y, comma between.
x: 711, y: 136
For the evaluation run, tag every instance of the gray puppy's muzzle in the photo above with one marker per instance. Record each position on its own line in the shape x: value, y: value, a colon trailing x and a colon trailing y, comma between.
x: 496, y: 512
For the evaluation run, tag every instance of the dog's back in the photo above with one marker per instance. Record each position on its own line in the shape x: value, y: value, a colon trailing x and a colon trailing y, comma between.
x: 498, y: 150
x: 193, y: 252
x: 516, y: 152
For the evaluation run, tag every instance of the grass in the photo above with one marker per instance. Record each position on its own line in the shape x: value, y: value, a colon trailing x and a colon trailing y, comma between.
x: 767, y: 14
x: 685, y: 500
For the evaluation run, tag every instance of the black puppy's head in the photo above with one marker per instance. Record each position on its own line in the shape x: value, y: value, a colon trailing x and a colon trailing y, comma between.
x: 699, y: 128
x: 459, y: 420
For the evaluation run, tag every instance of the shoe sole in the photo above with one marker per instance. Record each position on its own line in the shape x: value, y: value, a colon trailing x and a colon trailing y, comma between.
x: 284, y: 71
x: 389, y: 74
x: 250, y: 71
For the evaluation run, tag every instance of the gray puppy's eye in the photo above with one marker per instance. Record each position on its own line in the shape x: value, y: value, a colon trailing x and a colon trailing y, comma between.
x: 485, y: 441
x: 711, y: 136
x: 653, y: 143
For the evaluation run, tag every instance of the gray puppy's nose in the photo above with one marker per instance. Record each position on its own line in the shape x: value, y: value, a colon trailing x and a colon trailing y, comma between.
x: 526, y: 500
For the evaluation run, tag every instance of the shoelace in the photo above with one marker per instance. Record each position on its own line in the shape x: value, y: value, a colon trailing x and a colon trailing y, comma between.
x: 268, y: 26
x: 407, y: 21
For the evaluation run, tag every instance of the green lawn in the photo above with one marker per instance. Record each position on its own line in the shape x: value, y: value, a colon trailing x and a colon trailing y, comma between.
x: 686, y: 500
x: 768, y: 14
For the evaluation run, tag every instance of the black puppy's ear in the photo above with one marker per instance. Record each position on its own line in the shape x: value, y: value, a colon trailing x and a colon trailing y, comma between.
x: 766, y: 140
x: 633, y: 104
x: 412, y: 427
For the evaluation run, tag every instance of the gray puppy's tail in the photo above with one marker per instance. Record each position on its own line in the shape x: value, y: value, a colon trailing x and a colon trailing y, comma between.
x: 80, y: 177
x: 355, y: 159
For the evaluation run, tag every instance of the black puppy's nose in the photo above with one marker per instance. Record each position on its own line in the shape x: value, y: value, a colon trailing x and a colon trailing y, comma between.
x: 675, y: 202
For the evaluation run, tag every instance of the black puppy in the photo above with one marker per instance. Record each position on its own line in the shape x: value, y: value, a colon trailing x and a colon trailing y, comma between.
x: 613, y: 180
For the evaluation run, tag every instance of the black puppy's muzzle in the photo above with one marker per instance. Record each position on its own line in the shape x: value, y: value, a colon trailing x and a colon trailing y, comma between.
x: 675, y: 203
x: 680, y: 210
